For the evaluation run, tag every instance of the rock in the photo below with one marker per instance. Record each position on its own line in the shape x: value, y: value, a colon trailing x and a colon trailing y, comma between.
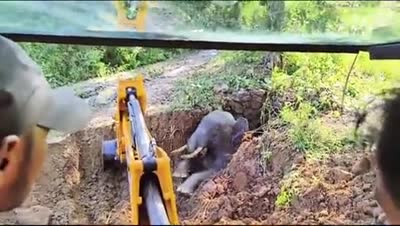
x: 262, y: 191
x: 361, y: 167
x: 324, y: 212
x: 237, y: 107
x: 65, y: 190
x: 35, y: 215
x: 87, y: 91
x: 340, y: 175
x: 220, y: 189
x: 382, y: 218
x: 366, y: 187
x: 220, y: 87
x: 210, y: 188
x: 240, y: 181
x: 256, y: 104
x: 243, y: 95
x: 106, y: 97
x: 299, y: 159
x: 377, y: 211
x: 372, y: 161
x: 259, y: 92
x: 65, y: 211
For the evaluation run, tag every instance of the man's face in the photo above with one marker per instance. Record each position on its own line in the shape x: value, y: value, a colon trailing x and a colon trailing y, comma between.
x: 21, y: 160
x: 387, y: 204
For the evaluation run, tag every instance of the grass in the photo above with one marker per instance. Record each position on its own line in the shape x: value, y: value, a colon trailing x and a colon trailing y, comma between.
x: 288, y: 189
x: 308, y: 133
x: 237, y: 70
x: 317, y: 82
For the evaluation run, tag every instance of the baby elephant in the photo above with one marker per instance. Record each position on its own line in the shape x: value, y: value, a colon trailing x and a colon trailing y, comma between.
x: 216, y: 138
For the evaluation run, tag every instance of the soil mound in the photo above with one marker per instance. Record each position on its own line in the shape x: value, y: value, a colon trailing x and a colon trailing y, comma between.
x: 331, y: 191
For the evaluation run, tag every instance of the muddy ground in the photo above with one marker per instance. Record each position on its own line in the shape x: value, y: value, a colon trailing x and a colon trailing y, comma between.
x: 74, y: 189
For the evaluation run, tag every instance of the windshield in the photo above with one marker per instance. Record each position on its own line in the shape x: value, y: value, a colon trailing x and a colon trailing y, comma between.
x: 276, y: 22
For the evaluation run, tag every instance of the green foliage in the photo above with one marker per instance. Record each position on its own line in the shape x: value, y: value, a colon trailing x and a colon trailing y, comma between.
x: 252, y: 15
x: 317, y: 81
x: 304, y: 16
x: 311, y: 16
x: 215, y: 15
x: 308, y: 132
x: 66, y: 64
x: 122, y: 59
x: 320, y: 78
x: 356, y: 4
x: 234, y: 69
x: 209, y: 14
x: 284, y: 198
x: 288, y: 189
x: 314, y: 77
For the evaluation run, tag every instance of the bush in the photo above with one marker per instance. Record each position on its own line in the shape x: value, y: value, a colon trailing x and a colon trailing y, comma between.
x: 311, y: 16
x: 309, y: 134
x: 66, y: 64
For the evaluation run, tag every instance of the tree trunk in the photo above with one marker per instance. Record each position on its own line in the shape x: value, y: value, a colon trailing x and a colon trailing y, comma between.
x: 275, y: 23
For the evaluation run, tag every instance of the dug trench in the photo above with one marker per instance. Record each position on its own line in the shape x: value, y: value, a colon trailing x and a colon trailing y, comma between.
x: 74, y: 188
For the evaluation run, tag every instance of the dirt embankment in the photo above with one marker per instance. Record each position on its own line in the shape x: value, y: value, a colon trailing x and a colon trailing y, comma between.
x: 337, y: 190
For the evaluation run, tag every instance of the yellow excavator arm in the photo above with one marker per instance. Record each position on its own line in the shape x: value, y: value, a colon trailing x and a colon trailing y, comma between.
x: 151, y: 189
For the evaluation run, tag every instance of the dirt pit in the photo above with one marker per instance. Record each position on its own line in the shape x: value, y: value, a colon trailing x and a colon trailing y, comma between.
x: 74, y: 189
x: 73, y: 185
x: 338, y: 190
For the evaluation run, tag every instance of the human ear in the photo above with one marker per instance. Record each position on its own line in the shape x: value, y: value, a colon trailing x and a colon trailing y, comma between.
x: 239, y: 128
x: 10, y: 154
x: 11, y: 159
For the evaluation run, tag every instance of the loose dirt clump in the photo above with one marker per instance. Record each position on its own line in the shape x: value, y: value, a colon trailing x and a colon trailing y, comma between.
x: 327, y: 192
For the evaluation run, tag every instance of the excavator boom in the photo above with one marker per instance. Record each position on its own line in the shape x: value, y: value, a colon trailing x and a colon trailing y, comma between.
x: 150, y: 180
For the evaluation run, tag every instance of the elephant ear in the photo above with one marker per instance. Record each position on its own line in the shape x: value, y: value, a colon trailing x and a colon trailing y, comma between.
x: 239, y: 128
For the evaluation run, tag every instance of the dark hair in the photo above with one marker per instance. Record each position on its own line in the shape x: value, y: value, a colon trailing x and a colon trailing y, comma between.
x: 10, y: 123
x: 388, y: 149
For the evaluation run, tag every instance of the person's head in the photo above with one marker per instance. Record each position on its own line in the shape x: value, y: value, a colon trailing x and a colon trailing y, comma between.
x: 29, y: 108
x: 388, y: 161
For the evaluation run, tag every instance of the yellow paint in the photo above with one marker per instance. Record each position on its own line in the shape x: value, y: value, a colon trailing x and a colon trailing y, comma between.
x: 123, y: 134
x: 138, y: 23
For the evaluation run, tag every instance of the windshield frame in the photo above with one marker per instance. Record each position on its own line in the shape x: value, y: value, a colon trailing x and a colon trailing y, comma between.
x: 178, y: 42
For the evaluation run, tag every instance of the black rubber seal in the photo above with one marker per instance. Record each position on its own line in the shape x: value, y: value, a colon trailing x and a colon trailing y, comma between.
x: 186, y: 44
